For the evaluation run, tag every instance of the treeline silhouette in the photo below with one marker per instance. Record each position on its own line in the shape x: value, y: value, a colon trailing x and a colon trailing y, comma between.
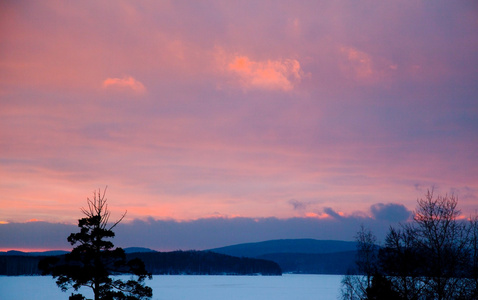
x: 204, y: 263
x: 433, y: 256
x: 159, y: 263
x: 15, y: 265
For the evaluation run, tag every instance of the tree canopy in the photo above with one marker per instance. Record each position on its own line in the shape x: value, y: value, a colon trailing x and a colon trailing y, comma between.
x: 94, y: 260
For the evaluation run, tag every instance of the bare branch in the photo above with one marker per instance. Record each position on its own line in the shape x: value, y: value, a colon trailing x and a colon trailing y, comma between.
x: 117, y: 222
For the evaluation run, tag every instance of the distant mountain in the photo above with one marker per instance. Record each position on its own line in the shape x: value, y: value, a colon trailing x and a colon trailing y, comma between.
x: 310, y: 246
x: 304, y: 256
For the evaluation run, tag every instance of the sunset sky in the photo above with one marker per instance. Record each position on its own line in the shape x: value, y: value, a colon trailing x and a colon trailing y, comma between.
x: 218, y: 122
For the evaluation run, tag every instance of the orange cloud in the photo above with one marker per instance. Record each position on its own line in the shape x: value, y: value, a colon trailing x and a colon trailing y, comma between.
x: 126, y: 82
x: 269, y: 75
x: 320, y: 216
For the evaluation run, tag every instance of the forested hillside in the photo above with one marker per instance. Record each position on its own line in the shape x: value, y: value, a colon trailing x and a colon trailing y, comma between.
x: 205, y: 263
x: 177, y: 262
x: 301, y: 256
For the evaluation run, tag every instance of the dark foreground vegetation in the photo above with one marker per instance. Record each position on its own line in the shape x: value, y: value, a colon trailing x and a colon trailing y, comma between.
x: 433, y: 257
x: 94, y: 260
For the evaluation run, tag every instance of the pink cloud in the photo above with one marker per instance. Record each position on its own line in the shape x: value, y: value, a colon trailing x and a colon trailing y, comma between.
x: 364, y: 67
x: 269, y: 75
x: 127, y: 82
x: 359, y: 63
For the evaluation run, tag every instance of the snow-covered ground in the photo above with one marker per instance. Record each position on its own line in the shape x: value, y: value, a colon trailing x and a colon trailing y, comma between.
x: 286, y: 287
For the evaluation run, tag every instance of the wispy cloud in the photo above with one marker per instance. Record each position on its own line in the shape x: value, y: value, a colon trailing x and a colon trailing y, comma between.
x: 364, y: 68
x: 298, y: 205
x: 358, y: 63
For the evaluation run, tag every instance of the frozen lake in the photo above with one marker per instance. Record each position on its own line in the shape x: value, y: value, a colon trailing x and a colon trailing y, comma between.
x: 172, y: 287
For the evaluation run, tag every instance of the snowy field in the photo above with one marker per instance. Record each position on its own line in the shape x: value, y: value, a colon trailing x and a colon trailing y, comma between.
x: 286, y: 287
